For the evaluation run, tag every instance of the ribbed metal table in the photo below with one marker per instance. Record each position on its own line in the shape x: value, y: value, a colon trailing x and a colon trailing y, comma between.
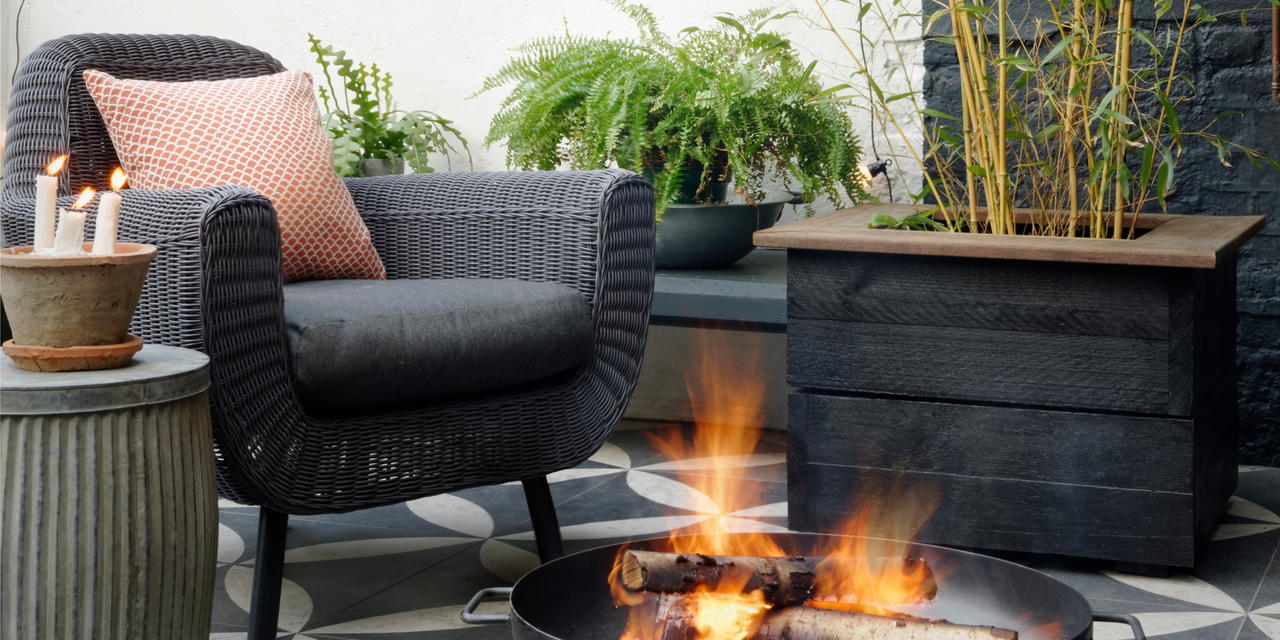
x: 108, y: 507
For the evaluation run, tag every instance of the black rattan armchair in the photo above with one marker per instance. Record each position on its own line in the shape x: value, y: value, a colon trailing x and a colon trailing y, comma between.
x: 216, y: 286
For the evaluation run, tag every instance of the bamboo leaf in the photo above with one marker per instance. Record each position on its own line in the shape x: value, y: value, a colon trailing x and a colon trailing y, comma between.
x: 1059, y: 48
x: 977, y: 170
x: 1123, y: 178
x: 1164, y: 177
x: 1095, y: 174
x: 1117, y: 116
x: 901, y: 96
x: 934, y: 113
x: 1106, y: 99
x: 1048, y: 132
x: 1171, y: 118
x: 1223, y: 150
x: 1148, y: 158
x: 1016, y: 135
x: 830, y: 90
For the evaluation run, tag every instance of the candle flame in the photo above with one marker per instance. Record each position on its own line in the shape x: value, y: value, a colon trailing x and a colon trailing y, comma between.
x: 85, y: 197
x: 56, y: 166
x: 118, y: 178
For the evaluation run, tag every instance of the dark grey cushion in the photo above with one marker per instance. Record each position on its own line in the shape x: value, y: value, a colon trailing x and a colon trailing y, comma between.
x: 358, y: 343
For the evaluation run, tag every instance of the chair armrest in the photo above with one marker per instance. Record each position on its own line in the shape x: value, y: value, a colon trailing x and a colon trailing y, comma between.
x: 169, y: 311
x: 215, y: 286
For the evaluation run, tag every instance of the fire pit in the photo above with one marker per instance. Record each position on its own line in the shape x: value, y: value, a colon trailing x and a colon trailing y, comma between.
x: 723, y: 582
x: 570, y: 599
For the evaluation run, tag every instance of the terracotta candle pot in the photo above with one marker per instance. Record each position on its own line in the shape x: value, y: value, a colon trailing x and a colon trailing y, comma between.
x: 73, y: 301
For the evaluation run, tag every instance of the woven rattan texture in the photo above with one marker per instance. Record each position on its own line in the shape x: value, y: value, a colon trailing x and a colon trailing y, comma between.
x: 216, y: 286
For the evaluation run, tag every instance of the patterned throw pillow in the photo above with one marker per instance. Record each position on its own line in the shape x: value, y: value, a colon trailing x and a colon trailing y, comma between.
x: 262, y: 133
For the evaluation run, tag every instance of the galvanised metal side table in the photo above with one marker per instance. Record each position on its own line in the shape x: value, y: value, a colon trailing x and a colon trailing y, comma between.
x: 108, y: 504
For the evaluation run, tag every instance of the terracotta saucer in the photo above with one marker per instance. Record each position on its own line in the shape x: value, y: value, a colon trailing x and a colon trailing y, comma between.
x: 105, y: 356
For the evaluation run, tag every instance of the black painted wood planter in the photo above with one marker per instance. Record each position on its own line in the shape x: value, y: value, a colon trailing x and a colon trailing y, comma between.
x: 1048, y: 400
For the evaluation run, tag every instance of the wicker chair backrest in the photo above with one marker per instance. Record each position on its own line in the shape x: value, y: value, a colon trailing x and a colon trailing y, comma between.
x: 51, y: 112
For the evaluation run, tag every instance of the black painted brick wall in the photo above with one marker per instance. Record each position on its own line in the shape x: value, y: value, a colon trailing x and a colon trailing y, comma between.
x: 1231, y: 65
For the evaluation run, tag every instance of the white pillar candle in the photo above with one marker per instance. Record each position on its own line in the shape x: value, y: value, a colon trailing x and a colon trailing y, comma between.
x: 46, y: 211
x: 69, y: 240
x: 104, y: 234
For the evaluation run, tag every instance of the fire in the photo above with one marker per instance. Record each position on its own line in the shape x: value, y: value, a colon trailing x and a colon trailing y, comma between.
x: 118, y: 178
x: 56, y: 166
x: 867, y: 574
x: 861, y: 573
x: 727, y: 616
x: 85, y: 197
x: 727, y: 399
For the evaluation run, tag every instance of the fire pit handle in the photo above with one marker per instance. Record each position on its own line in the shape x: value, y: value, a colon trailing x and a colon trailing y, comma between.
x: 1122, y: 618
x: 470, y: 616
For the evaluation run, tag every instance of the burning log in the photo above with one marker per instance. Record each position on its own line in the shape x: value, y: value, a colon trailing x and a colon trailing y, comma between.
x: 784, y: 581
x: 675, y: 618
x: 807, y: 623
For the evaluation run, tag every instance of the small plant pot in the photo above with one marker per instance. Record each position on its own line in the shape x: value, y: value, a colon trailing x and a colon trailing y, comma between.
x: 62, y: 302
x: 371, y: 167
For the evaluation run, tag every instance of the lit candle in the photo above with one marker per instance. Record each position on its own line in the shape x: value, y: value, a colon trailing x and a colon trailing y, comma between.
x: 104, y: 235
x: 69, y: 240
x: 46, y: 204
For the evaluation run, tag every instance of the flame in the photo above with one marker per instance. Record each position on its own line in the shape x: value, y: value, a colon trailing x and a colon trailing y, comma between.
x: 118, y: 178
x: 867, y: 574
x: 726, y: 399
x: 56, y: 166
x: 724, y: 615
x: 862, y: 573
x: 85, y: 197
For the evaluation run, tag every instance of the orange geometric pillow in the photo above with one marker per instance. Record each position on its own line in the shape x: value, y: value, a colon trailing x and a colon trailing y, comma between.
x: 262, y: 133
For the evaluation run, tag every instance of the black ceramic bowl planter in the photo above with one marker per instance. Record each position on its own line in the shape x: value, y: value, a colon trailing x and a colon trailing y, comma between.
x: 1055, y: 395
x: 711, y: 236
x: 707, y: 232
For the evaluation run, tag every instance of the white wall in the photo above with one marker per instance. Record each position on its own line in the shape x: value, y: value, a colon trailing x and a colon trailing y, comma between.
x: 437, y: 52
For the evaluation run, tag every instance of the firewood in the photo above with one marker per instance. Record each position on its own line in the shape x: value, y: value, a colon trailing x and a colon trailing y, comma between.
x: 808, y: 623
x: 674, y: 620
x: 785, y: 581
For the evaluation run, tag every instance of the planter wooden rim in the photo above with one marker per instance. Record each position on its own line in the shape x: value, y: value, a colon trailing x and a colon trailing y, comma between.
x: 126, y: 252
x: 1172, y: 240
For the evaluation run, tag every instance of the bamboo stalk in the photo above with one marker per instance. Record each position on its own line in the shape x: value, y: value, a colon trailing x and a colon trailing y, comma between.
x: 1069, y: 117
x: 966, y: 115
x: 1124, y: 46
x: 985, y: 126
x: 1002, y: 103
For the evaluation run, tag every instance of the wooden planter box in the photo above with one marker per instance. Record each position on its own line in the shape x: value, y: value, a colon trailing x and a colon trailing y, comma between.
x: 1053, y: 395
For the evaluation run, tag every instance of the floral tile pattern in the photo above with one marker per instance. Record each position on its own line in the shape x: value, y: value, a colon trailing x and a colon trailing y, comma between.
x: 405, y: 571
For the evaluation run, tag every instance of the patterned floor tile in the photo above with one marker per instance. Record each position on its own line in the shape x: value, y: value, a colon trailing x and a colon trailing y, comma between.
x: 405, y: 571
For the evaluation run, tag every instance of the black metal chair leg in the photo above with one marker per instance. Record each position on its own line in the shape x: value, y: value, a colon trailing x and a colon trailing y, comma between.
x: 264, y: 609
x: 546, y: 528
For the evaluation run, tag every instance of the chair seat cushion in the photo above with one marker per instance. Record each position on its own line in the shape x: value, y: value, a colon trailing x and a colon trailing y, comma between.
x: 358, y: 343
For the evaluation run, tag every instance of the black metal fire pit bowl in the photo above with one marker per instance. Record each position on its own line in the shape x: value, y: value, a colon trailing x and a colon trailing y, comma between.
x: 568, y: 599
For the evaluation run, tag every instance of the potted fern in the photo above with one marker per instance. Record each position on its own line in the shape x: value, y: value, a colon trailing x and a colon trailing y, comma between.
x: 370, y: 136
x: 1035, y: 330
x: 711, y: 114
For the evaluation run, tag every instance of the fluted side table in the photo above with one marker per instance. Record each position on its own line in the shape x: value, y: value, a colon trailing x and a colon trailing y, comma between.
x: 108, y: 507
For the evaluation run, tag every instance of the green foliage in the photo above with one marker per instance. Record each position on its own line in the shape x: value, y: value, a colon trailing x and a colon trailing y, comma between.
x: 728, y: 102
x: 362, y: 121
